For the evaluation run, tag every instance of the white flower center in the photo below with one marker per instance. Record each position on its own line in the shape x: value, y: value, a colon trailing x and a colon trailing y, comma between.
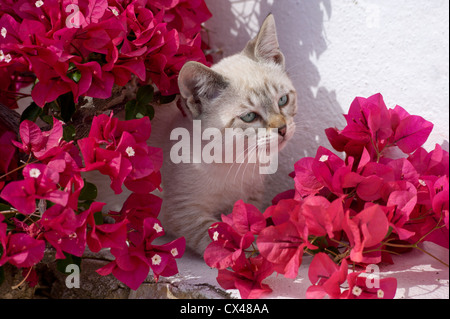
x: 174, y: 252
x: 3, y: 32
x: 130, y: 151
x: 34, y: 173
x: 39, y: 3
x: 156, y: 260
x: 7, y: 58
x: 422, y: 182
x: 356, y: 291
x: 380, y: 293
x: 323, y: 158
x: 114, y: 11
x: 157, y: 228
x: 216, y: 236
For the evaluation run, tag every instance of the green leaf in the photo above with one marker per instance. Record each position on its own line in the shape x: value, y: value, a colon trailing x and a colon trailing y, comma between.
x: 32, y: 112
x: 61, y: 264
x: 69, y: 133
x: 47, y: 119
x: 130, y: 110
x: 144, y: 95
x: 4, y: 207
x: 98, y: 218
x: 150, y: 112
x: 134, y: 110
x: 166, y: 99
x: 88, y: 192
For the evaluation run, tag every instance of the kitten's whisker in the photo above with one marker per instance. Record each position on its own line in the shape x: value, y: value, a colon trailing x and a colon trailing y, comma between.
x: 248, y: 150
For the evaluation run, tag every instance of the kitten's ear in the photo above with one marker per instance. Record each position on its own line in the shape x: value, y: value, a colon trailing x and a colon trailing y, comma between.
x: 265, y: 45
x: 199, y: 84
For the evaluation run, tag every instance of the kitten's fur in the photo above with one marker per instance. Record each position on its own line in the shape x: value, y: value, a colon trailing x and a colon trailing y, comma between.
x: 195, y: 195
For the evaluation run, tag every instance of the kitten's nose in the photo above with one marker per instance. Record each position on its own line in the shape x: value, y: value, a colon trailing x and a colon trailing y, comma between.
x: 282, y: 130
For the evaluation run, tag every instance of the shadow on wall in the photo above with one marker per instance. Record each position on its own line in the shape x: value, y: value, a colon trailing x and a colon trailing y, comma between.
x: 302, y: 39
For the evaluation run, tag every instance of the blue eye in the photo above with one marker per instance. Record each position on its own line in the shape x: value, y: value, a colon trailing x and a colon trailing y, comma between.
x: 283, y: 101
x: 249, y: 117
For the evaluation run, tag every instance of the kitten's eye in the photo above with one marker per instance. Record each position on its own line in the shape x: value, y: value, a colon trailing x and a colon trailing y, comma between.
x: 249, y: 117
x: 283, y: 101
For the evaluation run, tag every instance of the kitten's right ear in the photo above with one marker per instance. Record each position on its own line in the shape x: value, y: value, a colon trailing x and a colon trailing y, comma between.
x: 199, y: 84
x: 265, y: 47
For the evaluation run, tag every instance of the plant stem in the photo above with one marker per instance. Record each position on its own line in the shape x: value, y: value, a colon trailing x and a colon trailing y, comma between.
x: 431, y: 255
x: 416, y: 247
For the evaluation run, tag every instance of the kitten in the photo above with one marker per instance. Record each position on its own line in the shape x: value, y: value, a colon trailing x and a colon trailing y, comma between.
x: 248, y: 90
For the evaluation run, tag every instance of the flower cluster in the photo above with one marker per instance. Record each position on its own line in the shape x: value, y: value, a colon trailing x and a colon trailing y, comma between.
x: 355, y: 210
x: 54, y: 205
x: 87, y: 46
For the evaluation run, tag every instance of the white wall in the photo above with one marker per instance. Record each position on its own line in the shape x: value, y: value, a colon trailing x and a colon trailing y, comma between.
x: 339, y: 49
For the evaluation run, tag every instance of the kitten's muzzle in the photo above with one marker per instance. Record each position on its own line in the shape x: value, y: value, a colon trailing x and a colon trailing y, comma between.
x: 282, y: 130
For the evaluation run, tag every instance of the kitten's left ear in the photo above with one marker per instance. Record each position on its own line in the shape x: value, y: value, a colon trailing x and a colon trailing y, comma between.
x: 198, y: 85
x: 265, y: 45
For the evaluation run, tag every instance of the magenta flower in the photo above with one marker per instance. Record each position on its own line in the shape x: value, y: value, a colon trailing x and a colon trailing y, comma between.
x: 136, y: 208
x: 364, y: 231
x: 40, y: 182
x: 130, y: 266
x: 133, y: 262
x: 42, y: 145
x: 104, y: 235
x: 326, y: 277
x: 247, y: 278
x: 98, y: 45
x: 22, y: 250
x: 322, y: 217
x: 107, y: 162
x: 233, y: 236
x: 65, y: 230
x: 118, y: 149
x: 358, y: 288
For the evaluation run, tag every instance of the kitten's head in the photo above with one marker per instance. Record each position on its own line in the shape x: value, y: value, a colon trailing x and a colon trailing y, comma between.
x: 248, y: 90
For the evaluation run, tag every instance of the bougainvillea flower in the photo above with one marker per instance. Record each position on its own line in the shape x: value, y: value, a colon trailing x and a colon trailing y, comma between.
x: 138, y: 154
x: 104, y: 235
x: 411, y: 133
x: 247, y: 279
x: 107, y: 162
x: 41, y: 144
x: 404, y: 202
x: 130, y: 266
x: 103, y: 129
x: 326, y: 277
x: 40, y: 182
x: 322, y: 217
x: 161, y: 258
x: 23, y: 251
x: 65, y: 230
x: 133, y: 262
x: 283, y: 246
x: 435, y: 162
x: 245, y: 218
x: 364, y: 230
x: 306, y: 182
x: 359, y: 289
x: 136, y: 208
x: 280, y: 212
x: 227, y: 246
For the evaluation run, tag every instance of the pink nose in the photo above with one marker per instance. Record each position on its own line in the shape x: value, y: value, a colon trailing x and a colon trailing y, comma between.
x: 282, y: 130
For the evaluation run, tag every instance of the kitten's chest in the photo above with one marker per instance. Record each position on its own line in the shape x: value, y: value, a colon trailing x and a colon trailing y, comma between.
x: 226, y: 185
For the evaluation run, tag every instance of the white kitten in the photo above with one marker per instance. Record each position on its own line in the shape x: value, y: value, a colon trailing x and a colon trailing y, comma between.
x: 248, y: 90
